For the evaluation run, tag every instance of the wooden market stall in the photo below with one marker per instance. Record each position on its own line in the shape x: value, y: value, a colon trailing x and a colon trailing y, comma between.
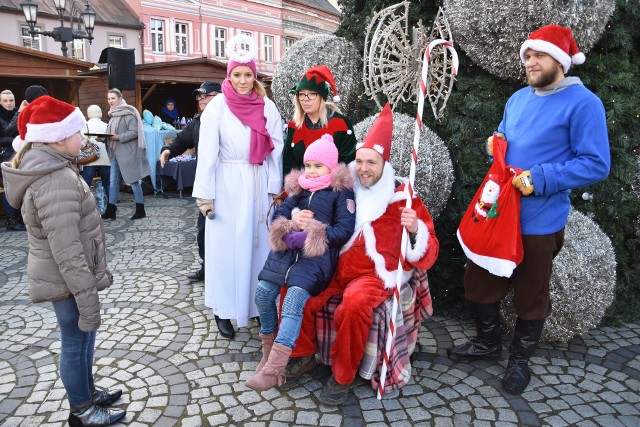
x: 22, y: 67
x: 158, y: 81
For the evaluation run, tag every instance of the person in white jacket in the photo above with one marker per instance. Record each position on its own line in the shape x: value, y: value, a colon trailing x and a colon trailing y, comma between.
x: 238, y: 175
x: 102, y: 165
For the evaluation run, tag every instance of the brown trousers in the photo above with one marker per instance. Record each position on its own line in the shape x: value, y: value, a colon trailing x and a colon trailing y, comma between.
x: 530, y: 280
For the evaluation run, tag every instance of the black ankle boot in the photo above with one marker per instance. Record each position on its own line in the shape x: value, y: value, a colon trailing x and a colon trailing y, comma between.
x: 105, y: 398
x: 225, y: 328
x: 110, y: 212
x: 95, y: 416
x: 140, y: 213
x: 525, y: 341
x: 487, y: 344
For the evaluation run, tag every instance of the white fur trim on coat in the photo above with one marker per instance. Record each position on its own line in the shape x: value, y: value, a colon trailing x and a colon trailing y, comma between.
x: 388, y: 277
x: 417, y: 251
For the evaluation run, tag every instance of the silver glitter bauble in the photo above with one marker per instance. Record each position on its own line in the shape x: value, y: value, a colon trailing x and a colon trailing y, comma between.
x: 491, y: 32
x: 340, y: 55
x: 582, y: 282
x: 434, y: 170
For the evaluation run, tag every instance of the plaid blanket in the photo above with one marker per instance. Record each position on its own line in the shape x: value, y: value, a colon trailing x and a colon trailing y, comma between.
x: 414, y: 307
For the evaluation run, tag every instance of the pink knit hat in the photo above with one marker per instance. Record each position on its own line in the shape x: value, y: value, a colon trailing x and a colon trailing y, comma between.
x: 239, y: 55
x: 324, y: 151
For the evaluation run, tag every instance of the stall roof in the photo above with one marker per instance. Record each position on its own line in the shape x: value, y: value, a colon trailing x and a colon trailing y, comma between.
x: 22, y: 62
x: 181, y: 71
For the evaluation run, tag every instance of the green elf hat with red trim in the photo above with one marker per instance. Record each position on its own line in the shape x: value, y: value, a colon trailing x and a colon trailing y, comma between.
x: 318, y: 79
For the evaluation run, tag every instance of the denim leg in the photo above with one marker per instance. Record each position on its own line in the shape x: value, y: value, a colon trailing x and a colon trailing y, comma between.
x: 74, y: 352
x: 88, y: 172
x: 114, y: 187
x: 105, y: 177
x: 90, y: 350
x: 7, y: 207
x: 266, y: 294
x: 137, y: 192
x: 291, y: 318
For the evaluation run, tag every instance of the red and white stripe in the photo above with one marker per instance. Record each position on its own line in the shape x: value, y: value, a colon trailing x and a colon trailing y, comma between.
x: 408, y: 190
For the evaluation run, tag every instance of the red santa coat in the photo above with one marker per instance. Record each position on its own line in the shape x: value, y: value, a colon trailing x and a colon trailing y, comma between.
x: 372, y: 252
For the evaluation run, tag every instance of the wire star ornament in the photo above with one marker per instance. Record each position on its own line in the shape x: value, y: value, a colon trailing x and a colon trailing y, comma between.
x: 393, y: 59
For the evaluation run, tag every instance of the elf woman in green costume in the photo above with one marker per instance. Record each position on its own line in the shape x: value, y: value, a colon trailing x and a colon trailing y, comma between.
x: 315, y: 115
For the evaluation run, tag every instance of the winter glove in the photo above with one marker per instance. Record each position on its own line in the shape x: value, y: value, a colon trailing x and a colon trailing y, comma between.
x: 489, y: 143
x: 295, y: 239
x: 523, y: 183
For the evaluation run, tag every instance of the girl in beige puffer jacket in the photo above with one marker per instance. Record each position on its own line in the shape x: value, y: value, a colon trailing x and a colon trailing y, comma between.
x: 67, y: 260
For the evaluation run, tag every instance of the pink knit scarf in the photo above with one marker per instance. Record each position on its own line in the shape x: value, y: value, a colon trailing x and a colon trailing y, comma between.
x: 250, y: 110
x: 314, y: 184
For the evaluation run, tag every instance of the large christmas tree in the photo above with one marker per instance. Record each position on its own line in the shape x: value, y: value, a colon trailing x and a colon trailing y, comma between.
x: 612, y: 71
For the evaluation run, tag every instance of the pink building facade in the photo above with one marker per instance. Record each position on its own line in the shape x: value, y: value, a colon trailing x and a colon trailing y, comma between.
x: 178, y: 29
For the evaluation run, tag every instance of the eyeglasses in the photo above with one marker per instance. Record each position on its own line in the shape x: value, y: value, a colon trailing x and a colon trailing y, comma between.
x: 311, y: 96
x: 203, y: 96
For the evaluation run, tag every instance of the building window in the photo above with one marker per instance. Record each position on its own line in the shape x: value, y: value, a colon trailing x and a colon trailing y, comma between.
x: 78, y: 49
x: 245, y: 46
x: 268, y: 49
x: 116, y: 41
x: 34, y: 43
x: 288, y: 42
x: 219, y: 37
x: 181, y: 39
x: 157, y: 35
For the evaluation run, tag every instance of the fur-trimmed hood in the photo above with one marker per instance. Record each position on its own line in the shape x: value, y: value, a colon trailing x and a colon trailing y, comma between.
x: 341, y: 179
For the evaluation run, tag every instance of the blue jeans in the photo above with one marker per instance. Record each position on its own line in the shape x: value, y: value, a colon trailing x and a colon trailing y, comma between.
x: 76, y: 355
x: 114, y: 188
x: 88, y: 172
x: 291, y: 318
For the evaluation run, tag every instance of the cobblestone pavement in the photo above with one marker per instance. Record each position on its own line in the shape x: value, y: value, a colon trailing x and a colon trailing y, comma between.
x: 159, y: 344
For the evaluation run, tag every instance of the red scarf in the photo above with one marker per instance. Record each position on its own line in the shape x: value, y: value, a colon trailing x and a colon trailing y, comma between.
x: 249, y: 109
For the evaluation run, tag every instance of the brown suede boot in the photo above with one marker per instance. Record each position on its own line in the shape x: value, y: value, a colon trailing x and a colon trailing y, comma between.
x: 272, y: 374
x: 267, y: 343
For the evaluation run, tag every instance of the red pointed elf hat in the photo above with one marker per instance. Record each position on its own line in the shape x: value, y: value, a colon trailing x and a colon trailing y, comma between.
x: 379, y: 136
x: 556, y: 41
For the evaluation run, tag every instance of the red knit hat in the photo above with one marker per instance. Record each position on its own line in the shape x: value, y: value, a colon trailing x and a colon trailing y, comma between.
x: 48, y: 120
x: 556, y: 41
x: 319, y: 79
x: 238, y: 55
x: 324, y: 151
x: 379, y: 136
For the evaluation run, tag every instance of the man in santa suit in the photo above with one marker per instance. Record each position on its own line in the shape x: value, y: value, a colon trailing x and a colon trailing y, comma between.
x: 367, y: 267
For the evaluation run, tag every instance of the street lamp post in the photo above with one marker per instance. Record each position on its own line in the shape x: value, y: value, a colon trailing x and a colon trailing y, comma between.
x: 63, y: 34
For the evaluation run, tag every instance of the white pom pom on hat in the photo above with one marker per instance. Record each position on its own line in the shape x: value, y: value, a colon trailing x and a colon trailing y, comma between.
x: 556, y: 41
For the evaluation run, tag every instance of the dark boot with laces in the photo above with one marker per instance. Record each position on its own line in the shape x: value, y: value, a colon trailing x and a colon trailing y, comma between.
x: 94, y: 416
x: 106, y: 398
x: 296, y: 368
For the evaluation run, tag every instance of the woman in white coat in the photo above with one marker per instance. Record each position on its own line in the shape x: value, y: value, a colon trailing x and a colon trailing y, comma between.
x: 239, y: 173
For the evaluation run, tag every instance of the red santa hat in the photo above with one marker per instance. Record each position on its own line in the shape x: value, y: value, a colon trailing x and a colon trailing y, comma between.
x: 48, y: 120
x: 379, y: 136
x: 556, y: 41
x: 319, y: 79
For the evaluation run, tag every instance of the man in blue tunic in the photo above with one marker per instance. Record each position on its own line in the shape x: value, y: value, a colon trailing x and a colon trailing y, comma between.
x: 557, y: 134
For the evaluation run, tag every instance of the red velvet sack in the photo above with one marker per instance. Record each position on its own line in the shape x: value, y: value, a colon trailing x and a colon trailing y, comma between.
x: 490, y: 232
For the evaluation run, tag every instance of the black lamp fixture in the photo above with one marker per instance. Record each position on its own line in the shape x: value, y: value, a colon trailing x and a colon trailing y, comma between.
x: 63, y: 34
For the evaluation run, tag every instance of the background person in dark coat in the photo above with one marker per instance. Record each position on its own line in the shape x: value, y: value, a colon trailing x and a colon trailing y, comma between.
x: 302, y: 258
x: 7, y: 113
x: 185, y: 140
